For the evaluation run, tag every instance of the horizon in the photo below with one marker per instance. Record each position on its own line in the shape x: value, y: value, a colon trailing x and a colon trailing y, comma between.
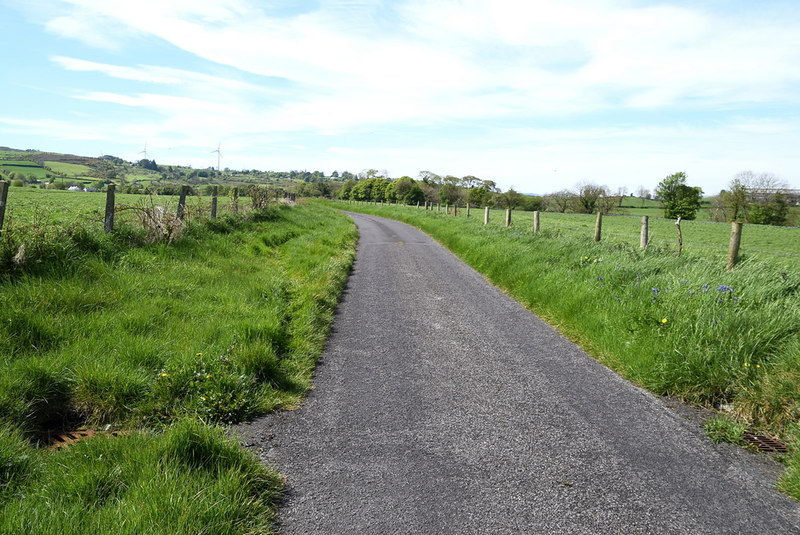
x: 537, y: 96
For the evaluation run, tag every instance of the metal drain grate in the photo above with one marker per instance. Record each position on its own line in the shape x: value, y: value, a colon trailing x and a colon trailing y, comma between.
x: 764, y: 443
x: 68, y: 438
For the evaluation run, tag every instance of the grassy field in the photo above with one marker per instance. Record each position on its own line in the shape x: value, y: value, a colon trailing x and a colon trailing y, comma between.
x: 679, y: 326
x: 780, y: 245
x: 70, y: 169
x: 25, y: 168
x: 56, y: 207
x: 162, y: 342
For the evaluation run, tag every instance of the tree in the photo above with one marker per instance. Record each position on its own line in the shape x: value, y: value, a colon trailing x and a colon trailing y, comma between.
x: 480, y: 197
x: 470, y: 181
x: 588, y: 197
x: 347, y: 187
x: 430, y: 178
x: 449, y: 193
x: 559, y: 201
x: 509, y: 199
x: 399, y: 188
x: 678, y: 198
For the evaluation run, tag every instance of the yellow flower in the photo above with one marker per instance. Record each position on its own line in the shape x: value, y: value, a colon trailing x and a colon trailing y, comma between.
x: 746, y: 364
x: 198, y: 355
x: 202, y: 398
x: 758, y: 365
x: 664, y: 320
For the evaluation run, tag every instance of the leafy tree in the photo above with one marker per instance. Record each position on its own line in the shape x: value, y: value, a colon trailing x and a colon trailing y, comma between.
x: 346, y: 189
x: 430, y: 178
x: 470, y: 181
x: 678, y: 198
x: 449, y: 193
x: 480, y: 197
x: 399, y: 188
x: 415, y: 195
x: 510, y: 199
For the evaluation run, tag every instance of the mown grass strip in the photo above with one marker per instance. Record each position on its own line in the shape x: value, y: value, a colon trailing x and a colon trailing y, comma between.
x: 103, y: 330
x: 680, y: 326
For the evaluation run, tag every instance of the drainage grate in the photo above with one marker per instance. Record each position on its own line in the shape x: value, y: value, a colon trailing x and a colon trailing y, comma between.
x: 764, y: 443
x: 68, y: 438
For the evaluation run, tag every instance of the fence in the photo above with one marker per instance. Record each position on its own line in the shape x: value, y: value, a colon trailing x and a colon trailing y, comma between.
x: 783, y: 242
x: 112, y: 207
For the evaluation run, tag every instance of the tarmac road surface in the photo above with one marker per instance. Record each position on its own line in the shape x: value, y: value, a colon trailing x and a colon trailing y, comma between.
x: 442, y: 406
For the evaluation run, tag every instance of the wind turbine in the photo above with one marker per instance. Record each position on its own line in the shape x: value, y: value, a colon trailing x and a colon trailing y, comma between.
x: 144, y: 151
x: 219, y: 155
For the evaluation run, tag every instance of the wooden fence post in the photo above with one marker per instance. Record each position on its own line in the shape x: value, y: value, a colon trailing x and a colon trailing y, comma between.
x: 680, y: 235
x: 214, y: 193
x: 182, y: 202
x: 508, y: 217
x: 467, y: 209
x: 455, y: 210
x: 598, y: 226
x: 486, y: 215
x: 3, y: 200
x: 235, y: 200
x: 108, y: 221
x: 536, y: 227
x: 644, y: 235
x: 438, y: 207
x: 736, y: 240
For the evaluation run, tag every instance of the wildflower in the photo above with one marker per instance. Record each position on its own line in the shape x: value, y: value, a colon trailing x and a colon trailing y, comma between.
x: 208, y: 376
x: 664, y: 321
x: 600, y: 278
x: 202, y: 398
x: 164, y: 374
x: 758, y: 365
x: 724, y: 288
x: 746, y: 364
x: 705, y: 287
x: 691, y: 292
x: 655, y: 290
x: 198, y: 354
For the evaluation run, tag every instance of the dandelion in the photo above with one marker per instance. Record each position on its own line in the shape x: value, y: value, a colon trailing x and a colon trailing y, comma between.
x: 198, y: 354
x: 164, y: 374
x: 664, y: 321
x: 202, y: 398
x: 758, y: 365
x: 746, y: 364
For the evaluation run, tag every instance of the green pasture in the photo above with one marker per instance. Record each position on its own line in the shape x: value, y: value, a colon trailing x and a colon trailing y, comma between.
x: 683, y: 326
x: 705, y: 238
x: 70, y: 169
x: 27, y: 206
x: 24, y: 167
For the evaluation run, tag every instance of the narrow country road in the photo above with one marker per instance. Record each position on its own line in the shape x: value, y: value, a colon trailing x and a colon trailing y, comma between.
x: 444, y: 407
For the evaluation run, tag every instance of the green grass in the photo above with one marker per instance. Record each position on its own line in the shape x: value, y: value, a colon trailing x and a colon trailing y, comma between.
x: 780, y: 245
x: 24, y: 167
x: 106, y: 330
x: 57, y: 207
x: 680, y: 326
x: 189, y: 478
x: 71, y: 169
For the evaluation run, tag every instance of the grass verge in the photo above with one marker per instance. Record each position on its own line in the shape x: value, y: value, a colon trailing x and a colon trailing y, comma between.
x: 680, y: 326
x: 108, y: 331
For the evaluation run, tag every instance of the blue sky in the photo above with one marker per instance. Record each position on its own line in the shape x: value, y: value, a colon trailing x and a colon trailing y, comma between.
x: 537, y: 94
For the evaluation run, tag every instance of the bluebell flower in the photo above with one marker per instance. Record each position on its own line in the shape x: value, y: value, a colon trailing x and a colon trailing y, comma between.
x: 655, y: 290
x: 724, y: 288
x: 705, y: 287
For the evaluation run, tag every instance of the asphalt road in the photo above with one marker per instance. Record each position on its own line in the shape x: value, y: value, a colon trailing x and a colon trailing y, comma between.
x: 444, y: 407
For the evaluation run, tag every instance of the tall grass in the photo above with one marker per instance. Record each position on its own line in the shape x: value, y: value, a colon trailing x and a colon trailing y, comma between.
x: 680, y: 326
x: 111, y: 331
